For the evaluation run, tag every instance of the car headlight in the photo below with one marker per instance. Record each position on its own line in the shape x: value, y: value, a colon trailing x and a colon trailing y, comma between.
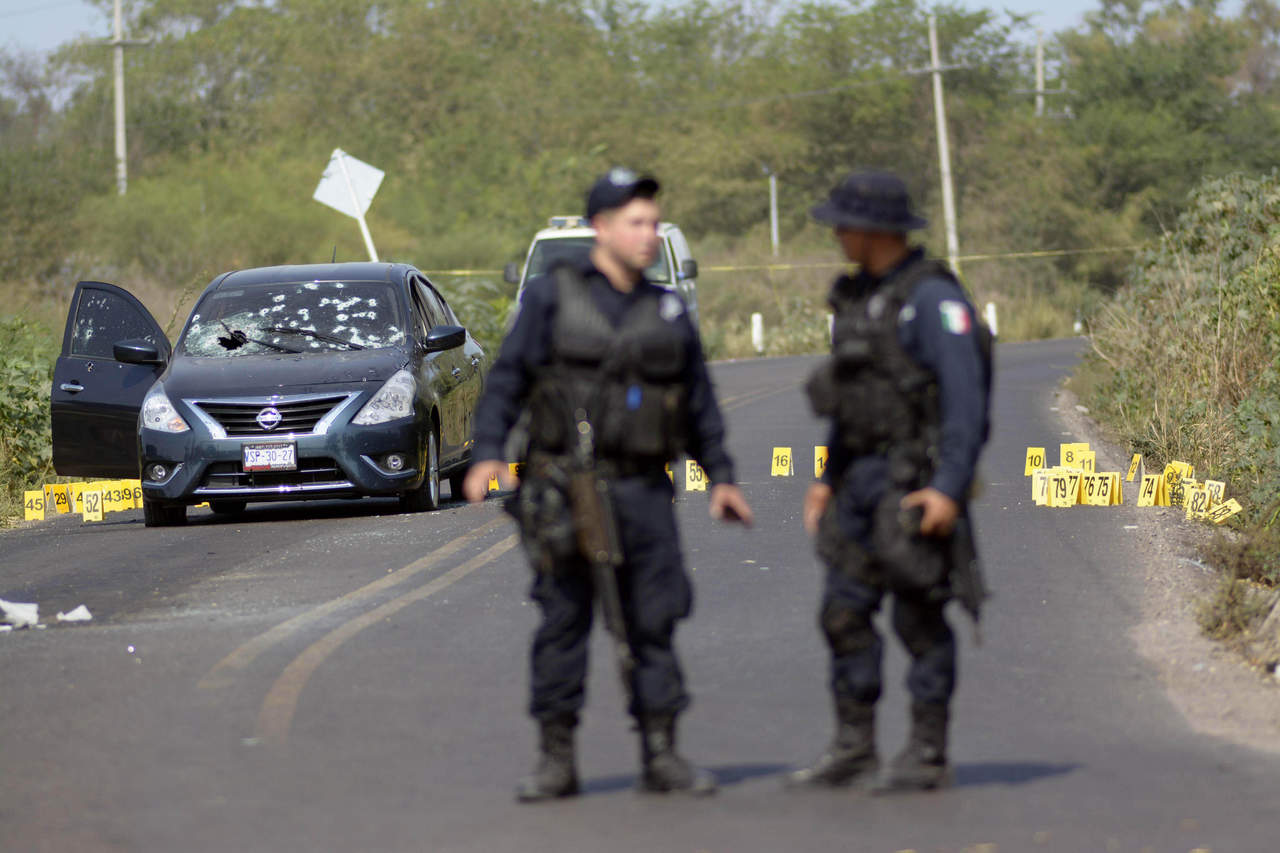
x: 393, y: 400
x: 159, y: 414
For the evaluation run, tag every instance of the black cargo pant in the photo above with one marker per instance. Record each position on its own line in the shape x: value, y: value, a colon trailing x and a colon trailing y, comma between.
x: 851, y: 597
x: 655, y: 593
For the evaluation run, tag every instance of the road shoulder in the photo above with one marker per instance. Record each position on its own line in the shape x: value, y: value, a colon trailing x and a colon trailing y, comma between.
x: 1210, y: 684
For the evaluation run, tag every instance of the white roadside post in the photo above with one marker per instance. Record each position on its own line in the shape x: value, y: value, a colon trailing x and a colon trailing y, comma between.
x: 348, y: 186
x: 991, y: 320
x: 757, y: 332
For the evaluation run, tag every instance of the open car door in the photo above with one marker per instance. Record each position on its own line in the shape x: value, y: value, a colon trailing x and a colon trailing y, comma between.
x: 95, y: 399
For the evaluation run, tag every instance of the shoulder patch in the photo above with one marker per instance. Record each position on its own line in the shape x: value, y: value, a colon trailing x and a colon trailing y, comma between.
x: 955, y: 317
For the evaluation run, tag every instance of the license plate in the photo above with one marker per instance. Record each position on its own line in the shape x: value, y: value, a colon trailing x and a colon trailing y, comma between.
x: 271, y: 457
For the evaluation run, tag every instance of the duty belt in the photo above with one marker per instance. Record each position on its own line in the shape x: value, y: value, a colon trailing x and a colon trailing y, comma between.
x: 609, y: 469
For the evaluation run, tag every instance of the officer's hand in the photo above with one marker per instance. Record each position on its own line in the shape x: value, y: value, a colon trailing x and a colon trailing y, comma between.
x: 476, y: 484
x: 815, y: 504
x: 940, y: 511
x: 728, y: 504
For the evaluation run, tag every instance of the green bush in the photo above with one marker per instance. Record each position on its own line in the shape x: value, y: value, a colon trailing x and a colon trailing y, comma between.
x: 26, y: 371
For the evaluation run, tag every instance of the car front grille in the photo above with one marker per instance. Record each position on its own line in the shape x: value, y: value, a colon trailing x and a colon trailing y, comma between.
x: 296, y: 416
x: 319, y: 471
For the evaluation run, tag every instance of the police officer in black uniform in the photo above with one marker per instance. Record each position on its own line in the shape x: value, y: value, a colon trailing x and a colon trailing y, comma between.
x: 907, y: 388
x: 598, y: 348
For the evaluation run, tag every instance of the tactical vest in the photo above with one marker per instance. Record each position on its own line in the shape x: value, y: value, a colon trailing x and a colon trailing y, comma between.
x: 884, y: 401
x: 628, y: 380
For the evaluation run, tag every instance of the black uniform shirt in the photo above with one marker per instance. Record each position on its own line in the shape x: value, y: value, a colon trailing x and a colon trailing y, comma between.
x: 936, y: 328
x: 527, y: 347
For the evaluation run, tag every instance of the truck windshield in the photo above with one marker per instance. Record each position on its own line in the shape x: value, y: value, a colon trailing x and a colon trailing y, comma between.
x: 308, y: 316
x: 575, y: 249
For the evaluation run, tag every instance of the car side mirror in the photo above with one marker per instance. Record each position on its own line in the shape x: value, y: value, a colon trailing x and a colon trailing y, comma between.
x: 137, y: 351
x: 688, y: 270
x: 511, y: 273
x: 442, y: 338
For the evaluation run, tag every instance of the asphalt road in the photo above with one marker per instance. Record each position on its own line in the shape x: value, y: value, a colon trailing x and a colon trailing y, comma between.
x: 340, y: 677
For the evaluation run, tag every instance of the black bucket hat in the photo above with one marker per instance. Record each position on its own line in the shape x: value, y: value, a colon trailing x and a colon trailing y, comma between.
x: 869, y: 201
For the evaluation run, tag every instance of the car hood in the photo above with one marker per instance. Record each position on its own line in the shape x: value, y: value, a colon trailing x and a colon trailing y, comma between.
x: 264, y: 375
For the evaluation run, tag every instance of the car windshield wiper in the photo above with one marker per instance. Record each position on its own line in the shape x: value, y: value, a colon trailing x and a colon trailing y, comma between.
x: 319, y: 336
x: 237, y: 338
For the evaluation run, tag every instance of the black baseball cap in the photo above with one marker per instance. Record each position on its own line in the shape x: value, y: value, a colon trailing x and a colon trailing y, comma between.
x: 871, y: 201
x: 617, y: 187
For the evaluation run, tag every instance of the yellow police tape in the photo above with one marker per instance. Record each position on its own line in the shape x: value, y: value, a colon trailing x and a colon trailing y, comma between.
x: 781, y: 267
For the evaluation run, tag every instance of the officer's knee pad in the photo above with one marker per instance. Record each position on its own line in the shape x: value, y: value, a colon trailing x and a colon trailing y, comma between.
x: 848, y: 630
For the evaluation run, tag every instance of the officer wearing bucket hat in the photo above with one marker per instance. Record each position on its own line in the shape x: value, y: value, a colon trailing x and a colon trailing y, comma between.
x: 599, y: 351
x: 906, y: 388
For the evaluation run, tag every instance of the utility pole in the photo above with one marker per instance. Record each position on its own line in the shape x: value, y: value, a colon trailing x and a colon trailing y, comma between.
x: 773, y: 211
x: 1039, y: 72
x: 944, y: 152
x: 118, y: 44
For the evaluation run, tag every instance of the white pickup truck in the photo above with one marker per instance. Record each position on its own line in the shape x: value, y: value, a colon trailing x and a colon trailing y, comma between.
x: 571, y: 237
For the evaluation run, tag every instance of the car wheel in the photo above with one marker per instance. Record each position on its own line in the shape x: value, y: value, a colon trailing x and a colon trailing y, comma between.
x: 156, y: 514
x: 426, y: 497
x: 228, y: 507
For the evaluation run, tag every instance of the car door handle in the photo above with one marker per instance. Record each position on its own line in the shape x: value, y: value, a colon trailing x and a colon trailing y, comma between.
x: 73, y: 387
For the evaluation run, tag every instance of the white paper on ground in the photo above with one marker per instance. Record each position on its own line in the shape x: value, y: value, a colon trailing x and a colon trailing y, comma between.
x: 19, y: 615
x: 80, y: 614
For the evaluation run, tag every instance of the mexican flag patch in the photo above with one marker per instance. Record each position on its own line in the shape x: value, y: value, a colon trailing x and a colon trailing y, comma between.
x: 955, y: 317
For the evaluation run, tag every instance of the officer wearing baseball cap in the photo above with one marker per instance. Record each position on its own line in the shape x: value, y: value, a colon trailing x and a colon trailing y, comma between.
x: 906, y: 388
x: 610, y: 371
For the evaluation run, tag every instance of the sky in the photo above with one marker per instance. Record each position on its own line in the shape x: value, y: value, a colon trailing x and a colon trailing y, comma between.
x: 41, y: 25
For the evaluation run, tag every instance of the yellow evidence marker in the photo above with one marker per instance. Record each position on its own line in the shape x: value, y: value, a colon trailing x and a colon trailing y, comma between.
x: 1087, y: 461
x: 1096, y: 490
x: 1133, y: 467
x: 695, y: 479
x: 493, y: 483
x: 1035, y: 459
x: 1040, y: 486
x: 1061, y: 493
x: 1198, y: 501
x: 33, y: 505
x: 516, y: 469
x: 137, y: 494
x: 58, y: 496
x: 1224, y: 511
x: 91, y: 502
x: 1149, y: 491
x: 1217, y: 490
x: 1067, y: 455
x: 820, y: 456
x: 77, y: 496
x: 1117, y: 489
x: 782, y: 462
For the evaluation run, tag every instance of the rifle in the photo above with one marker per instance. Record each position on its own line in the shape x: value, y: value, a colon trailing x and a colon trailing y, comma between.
x: 597, y: 531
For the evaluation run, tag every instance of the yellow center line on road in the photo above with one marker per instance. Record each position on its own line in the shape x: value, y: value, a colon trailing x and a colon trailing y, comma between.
x: 276, y: 713
x: 223, y: 671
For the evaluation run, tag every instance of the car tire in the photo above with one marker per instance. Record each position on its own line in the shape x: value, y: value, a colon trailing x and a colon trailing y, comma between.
x: 228, y: 507
x: 426, y: 497
x: 156, y: 514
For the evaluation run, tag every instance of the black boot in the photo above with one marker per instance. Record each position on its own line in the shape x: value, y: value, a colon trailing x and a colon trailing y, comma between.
x: 922, y: 764
x: 555, y: 774
x: 665, y: 770
x: 851, y: 758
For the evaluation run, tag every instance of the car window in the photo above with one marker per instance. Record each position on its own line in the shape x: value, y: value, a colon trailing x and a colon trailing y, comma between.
x: 547, y: 252
x: 437, y: 315
x: 102, y: 319
x: 576, y: 249
x: 277, y: 317
x: 449, y: 317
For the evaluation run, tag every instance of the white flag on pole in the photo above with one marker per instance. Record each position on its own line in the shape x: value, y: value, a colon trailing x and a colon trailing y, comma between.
x: 333, y: 190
